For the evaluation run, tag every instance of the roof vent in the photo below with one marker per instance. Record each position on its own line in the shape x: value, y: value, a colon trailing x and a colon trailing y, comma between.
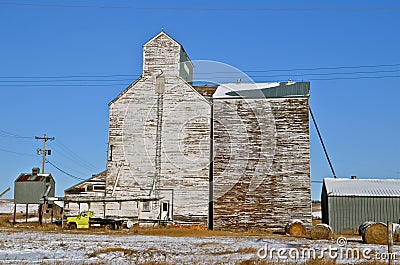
x: 353, y: 177
x: 35, y: 171
x: 238, y: 81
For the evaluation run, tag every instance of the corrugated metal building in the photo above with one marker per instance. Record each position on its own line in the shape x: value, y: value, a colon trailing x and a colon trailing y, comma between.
x: 347, y: 203
x: 29, y: 188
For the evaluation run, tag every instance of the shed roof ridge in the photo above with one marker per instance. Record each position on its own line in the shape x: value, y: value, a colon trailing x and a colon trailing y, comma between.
x: 362, y: 187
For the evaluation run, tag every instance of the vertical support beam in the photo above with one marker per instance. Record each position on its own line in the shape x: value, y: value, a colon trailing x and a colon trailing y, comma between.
x: 40, y: 214
x: 211, y: 172
x: 52, y: 213
x: 26, y: 213
x: 390, y: 243
x: 15, y: 213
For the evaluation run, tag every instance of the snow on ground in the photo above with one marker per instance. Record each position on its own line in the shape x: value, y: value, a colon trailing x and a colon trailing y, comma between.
x: 317, y: 215
x: 56, y: 247
x: 7, y: 207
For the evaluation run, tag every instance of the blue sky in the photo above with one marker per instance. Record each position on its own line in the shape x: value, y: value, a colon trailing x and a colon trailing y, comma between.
x: 48, y: 49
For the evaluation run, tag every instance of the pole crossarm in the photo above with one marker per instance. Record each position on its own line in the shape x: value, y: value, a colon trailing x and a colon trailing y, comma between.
x: 44, y: 152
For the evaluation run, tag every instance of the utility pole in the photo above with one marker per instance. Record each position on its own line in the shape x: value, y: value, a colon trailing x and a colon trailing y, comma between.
x: 44, y: 152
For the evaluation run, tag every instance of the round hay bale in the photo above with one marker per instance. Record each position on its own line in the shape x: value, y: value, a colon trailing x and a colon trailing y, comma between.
x: 374, y: 233
x: 364, y: 226
x: 295, y: 228
x: 321, y: 231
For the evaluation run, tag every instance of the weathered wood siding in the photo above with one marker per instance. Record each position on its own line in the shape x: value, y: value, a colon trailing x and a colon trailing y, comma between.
x: 93, y: 186
x: 261, y: 151
x: 261, y: 163
x: 185, y: 136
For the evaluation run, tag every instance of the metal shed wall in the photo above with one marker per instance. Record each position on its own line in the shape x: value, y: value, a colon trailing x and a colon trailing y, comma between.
x: 29, y: 192
x: 346, y: 214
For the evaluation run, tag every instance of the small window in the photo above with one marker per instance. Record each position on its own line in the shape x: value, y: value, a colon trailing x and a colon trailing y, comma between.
x: 47, y: 179
x: 146, y: 206
x: 165, y: 206
x: 99, y: 187
x: 89, y: 188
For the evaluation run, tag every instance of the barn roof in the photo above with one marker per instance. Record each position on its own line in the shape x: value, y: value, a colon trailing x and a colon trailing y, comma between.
x: 99, y: 177
x: 362, y: 187
x: 31, y: 178
x: 263, y: 90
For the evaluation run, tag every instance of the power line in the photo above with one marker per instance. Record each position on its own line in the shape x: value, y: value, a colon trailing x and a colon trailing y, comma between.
x: 227, y: 77
x: 66, y: 76
x: 71, y: 169
x: 49, y: 80
x: 15, y: 153
x: 303, y: 79
x: 250, y: 9
x: 314, y: 74
x: 73, y: 156
x: 219, y: 72
x: 66, y: 173
x: 354, y: 78
x: 321, y: 68
x: 13, y: 135
x: 60, y: 85
x: 61, y: 5
x: 210, y: 73
x: 65, y: 80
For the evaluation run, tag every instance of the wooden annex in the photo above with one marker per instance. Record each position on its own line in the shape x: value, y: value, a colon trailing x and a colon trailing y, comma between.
x: 231, y: 156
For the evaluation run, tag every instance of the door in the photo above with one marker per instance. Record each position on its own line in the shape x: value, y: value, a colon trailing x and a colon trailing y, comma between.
x: 164, y: 211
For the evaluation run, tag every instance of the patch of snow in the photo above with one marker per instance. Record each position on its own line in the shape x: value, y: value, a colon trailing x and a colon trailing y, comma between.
x: 7, y: 207
x: 317, y: 215
x: 59, y: 204
x: 74, y: 248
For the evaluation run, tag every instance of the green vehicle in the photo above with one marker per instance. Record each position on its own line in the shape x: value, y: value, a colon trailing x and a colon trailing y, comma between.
x: 87, y: 219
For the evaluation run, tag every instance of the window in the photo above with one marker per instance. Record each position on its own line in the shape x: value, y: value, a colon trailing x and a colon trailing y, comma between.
x: 99, y: 187
x: 146, y: 206
x: 165, y: 206
x: 89, y: 187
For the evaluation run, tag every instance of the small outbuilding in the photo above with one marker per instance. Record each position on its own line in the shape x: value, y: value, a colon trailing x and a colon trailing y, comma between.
x: 348, y: 203
x: 30, y: 187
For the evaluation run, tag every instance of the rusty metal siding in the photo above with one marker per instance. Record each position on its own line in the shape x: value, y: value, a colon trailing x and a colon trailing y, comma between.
x: 261, y: 163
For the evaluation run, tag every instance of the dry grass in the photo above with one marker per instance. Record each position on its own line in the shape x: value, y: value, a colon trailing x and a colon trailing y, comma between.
x: 135, y: 256
x: 191, y: 232
x: 316, y: 221
x: 110, y: 250
x: 177, y: 231
x: 4, y: 220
